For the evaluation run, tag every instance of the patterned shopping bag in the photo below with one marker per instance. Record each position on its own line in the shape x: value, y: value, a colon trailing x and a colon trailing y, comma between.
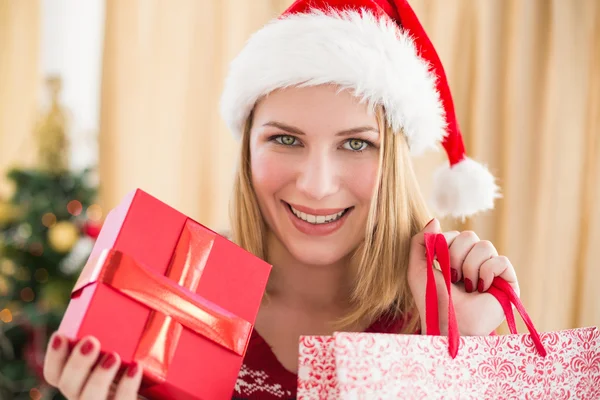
x: 552, y: 365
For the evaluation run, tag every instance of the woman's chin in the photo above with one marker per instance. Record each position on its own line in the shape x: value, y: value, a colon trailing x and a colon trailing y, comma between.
x: 318, y: 254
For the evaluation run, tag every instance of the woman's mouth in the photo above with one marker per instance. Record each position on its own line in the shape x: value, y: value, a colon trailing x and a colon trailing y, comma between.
x: 317, y: 222
x: 318, y: 219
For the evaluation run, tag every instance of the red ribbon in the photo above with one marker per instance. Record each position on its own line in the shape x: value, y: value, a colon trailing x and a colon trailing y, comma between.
x: 437, y: 247
x: 172, y: 300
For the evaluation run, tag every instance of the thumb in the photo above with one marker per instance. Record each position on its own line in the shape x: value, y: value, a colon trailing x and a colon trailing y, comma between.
x: 418, y: 242
x: 417, y: 268
x: 432, y: 226
x: 417, y: 260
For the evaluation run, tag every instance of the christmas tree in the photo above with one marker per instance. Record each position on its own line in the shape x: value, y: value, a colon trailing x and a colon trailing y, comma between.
x: 47, y: 230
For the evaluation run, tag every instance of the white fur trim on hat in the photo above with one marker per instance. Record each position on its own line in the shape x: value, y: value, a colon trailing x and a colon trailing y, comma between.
x: 352, y: 49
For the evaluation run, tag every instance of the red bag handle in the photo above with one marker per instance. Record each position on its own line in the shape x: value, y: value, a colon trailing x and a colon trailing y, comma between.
x: 437, y: 247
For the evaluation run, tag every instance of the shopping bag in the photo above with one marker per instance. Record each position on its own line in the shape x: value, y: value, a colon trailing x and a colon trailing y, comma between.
x: 552, y: 365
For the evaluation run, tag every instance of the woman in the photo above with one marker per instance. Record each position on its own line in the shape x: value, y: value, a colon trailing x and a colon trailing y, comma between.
x: 330, y: 101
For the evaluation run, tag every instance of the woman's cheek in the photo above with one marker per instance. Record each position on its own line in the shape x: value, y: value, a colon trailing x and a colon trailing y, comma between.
x: 272, y: 169
x: 360, y: 176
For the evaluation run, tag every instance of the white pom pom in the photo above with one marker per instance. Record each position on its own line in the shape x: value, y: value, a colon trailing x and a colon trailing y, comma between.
x: 463, y: 189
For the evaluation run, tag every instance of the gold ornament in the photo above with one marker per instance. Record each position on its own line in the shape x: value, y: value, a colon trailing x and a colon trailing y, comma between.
x: 63, y: 236
x: 7, y: 267
x: 51, y: 132
x: 54, y: 296
x: 23, y: 274
x: 4, y: 286
x: 8, y: 213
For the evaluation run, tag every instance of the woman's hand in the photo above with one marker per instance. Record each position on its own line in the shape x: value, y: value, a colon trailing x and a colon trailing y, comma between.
x: 79, y: 375
x: 474, y: 265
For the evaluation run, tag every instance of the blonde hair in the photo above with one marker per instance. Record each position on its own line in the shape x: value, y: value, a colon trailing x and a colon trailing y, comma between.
x: 397, y: 213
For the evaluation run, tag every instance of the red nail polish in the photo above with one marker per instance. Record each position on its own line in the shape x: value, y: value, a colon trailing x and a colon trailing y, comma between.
x: 56, y: 342
x: 468, y: 285
x: 109, y: 361
x: 480, y: 285
x: 87, y: 347
x: 132, y: 370
x: 454, y: 274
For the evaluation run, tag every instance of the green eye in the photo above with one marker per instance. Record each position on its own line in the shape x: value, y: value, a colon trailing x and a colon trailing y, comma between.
x: 356, y: 144
x: 286, y: 140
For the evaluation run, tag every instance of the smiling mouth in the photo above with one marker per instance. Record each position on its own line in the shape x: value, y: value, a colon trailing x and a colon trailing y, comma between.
x: 318, y: 219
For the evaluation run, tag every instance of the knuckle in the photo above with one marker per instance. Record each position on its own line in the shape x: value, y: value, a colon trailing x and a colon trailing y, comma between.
x: 504, y: 260
x: 469, y: 235
x: 486, y: 244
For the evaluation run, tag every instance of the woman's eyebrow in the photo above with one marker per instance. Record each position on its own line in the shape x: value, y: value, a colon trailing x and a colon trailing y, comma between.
x: 297, y: 131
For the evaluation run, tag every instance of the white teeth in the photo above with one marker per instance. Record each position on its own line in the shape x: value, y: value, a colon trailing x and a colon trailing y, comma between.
x: 317, y: 219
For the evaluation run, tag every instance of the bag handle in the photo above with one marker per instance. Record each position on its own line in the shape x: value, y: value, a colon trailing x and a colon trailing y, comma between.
x: 437, y: 247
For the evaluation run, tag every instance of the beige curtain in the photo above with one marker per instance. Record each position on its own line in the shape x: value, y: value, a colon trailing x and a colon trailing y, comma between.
x: 19, y: 82
x: 526, y: 81
x: 164, y: 64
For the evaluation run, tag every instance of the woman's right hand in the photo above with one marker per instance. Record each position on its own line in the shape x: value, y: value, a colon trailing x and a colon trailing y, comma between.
x: 74, y: 374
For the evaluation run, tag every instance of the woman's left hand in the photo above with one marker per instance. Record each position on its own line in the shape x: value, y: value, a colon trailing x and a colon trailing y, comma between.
x: 474, y: 264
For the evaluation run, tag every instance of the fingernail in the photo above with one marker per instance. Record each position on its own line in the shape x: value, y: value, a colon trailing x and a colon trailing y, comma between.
x: 132, y: 370
x: 56, y: 342
x: 430, y: 221
x: 454, y: 274
x: 468, y: 285
x: 87, y: 347
x: 109, y: 361
x: 480, y: 285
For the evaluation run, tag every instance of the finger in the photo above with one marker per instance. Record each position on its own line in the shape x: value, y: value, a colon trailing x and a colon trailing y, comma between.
x: 78, y: 367
x: 460, y: 248
x: 481, y: 252
x: 450, y: 236
x: 497, y: 266
x: 55, y: 359
x: 129, y: 386
x: 98, y: 384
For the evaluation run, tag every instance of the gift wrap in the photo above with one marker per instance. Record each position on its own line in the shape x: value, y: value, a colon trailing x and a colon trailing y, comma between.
x: 166, y: 292
x: 551, y: 365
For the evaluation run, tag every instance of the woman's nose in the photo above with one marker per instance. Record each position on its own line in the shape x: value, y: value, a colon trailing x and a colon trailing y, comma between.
x: 319, y: 176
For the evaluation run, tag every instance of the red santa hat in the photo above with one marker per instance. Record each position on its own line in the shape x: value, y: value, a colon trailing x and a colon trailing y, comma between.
x: 379, y: 50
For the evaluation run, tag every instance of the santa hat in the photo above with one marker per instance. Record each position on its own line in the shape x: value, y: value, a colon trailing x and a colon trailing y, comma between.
x: 379, y: 50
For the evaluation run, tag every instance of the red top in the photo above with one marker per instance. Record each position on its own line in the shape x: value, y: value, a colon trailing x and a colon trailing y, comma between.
x: 262, y: 377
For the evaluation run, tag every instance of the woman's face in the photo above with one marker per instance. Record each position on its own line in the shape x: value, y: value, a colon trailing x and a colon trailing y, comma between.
x: 314, y: 160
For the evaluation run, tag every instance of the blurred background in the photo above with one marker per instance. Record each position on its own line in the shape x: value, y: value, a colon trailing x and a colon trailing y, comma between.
x: 100, y: 97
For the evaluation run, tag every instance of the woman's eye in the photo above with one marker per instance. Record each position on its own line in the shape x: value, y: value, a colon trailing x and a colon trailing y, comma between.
x: 286, y: 140
x: 356, y: 145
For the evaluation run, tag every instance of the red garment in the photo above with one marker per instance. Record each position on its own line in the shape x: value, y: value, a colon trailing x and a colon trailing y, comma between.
x: 262, y: 377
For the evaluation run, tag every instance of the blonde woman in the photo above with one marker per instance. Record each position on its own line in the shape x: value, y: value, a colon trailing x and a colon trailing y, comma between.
x: 330, y: 102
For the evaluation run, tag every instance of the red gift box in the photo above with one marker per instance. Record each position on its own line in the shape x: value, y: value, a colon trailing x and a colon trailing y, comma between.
x: 164, y: 291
